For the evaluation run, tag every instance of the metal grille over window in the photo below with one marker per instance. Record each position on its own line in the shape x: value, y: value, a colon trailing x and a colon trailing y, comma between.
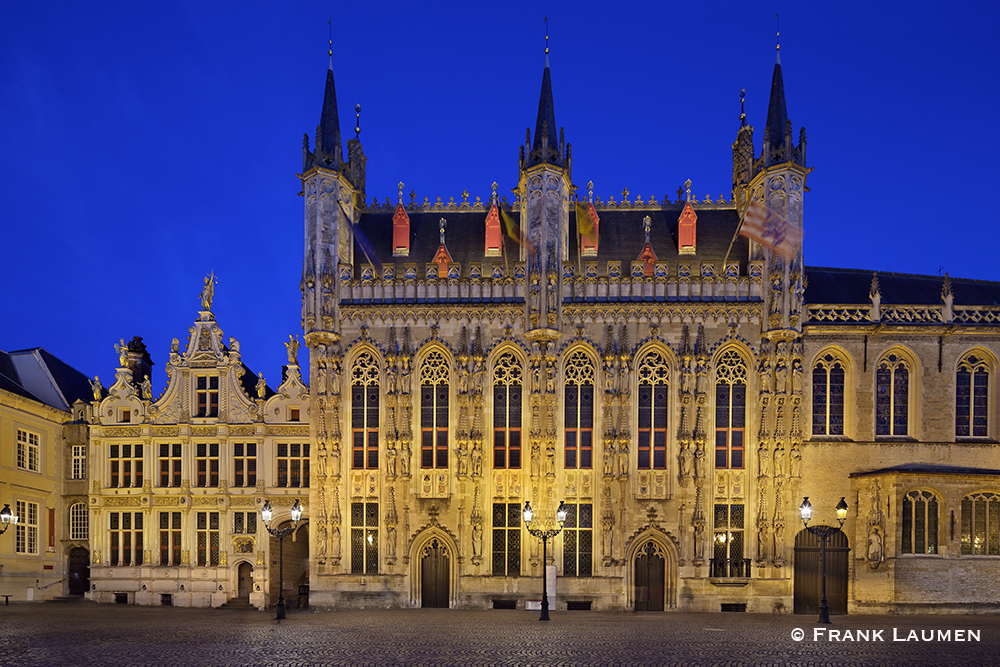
x: 920, y: 523
x: 892, y: 387
x: 728, y: 560
x: 507, y: 378
x: 578, y: 540
x: 506, y: 539
x: 828, y: 396
x: 579, y: 411
x: 434, y: 411
x: 364, y: 538
x: 972, y: 398
x: 654, y: 376
x: 364, y: 412
x: 730, y: 410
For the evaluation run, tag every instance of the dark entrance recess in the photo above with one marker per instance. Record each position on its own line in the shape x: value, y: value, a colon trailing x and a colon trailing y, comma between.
x: 807, y: 573
x: 434, y: 576
x: 245, y: 581
x: 79, y: 571
x: 649, y: 575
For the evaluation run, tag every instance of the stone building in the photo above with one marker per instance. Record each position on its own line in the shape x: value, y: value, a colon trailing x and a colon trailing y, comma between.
x: 43, y: 476
x: 467, y: 357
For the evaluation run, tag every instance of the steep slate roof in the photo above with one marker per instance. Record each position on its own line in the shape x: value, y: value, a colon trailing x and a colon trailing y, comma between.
x: 43, y: 377
x: 777, y: 116
x: 621, y: 236
x: 851, y: 286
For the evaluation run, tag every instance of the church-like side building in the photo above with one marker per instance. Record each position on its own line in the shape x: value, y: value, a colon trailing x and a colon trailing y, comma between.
x: 675, y: 387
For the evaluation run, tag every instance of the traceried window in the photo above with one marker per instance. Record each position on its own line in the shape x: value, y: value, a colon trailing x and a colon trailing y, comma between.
x: 245, y: 464
x: 293, y: 464
x: 828, y: 396
x: 170, y: 464
x: 972, y: 397
x: 728, y: 560
x: 207, y: 534
x: 364, y: 411
x: 26, y: 530
x: 654, y: 374
x: 170, y: 538
x: 730, y: 410
x: 207, y: 463
x: 125, y: 532
x: 434, y: 411
x: 507, y: 378
x: 981, y: 524
x: 506, y: 539
x: 27, y: 450
x: 892, y: 396
x: 579, y: 411
x: 578, y: 540
x: 364, y: 538
x: 207, y: 396
x: 79, y: 461
x: 920, y: 523
x: 126, y: 465
x: 79, y: 522
x: 245, y: 523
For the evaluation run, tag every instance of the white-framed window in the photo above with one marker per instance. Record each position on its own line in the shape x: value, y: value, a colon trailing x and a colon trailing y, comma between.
x: 26, y: 538
x: 27, y: 450
x: 79, y: 461
x: 79, y: 522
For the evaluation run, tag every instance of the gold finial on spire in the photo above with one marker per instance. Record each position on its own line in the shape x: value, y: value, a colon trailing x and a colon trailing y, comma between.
x: 329, y: 48
x: 777, y: 31
x: 357, y: 121
x: 546, y: 20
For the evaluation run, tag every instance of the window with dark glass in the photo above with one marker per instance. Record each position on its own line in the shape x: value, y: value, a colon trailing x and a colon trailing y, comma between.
x: 730, y: 410
x: 434, y: 411
x: 293, y: 464
x: 578, y: 540
x: 170, y: 538
x: 972, y: 398
x: 126, y: 465
x: 207, y: 534
x: 170, y: 464
x: 728, y: 560
x: 920, y: 523
x: 245, y: 464
x: 654, y: 374
x: 828, y: 396
x: 207, y: 395
x: 507, y: 411
x: 125, y: 534
x: 981, y: 524
x: 364, y: 538
x: 892, y: 395
x: 506, y: 539
x: 207, y: 463
x: 579, y: 411
x: 364, y: 412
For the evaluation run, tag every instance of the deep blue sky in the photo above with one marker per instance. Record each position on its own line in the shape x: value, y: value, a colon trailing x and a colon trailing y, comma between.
x: 146, y: 144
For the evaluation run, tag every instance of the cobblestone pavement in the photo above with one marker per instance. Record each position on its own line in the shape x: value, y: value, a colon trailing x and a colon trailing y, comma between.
x: 111, y: 635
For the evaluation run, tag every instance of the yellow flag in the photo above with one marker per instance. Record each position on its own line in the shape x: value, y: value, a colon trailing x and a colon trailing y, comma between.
x: 585, y: 223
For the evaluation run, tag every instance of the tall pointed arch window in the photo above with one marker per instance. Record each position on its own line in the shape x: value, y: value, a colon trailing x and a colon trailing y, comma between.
x: 434, y: 411
x: 892, y: 396
x: 828, y: 380
x: 972, y: 397
x: 507, y: 385
x: 920, y: 523
x: 730, y: 409
x: 579, y: 411
x: 654, y: 375
x: 364, y: 411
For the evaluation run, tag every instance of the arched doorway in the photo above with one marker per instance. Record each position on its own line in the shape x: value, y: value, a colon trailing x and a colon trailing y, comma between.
x: 244, y: 581
x: 649, y: 579
x: 79, y: 571
x: 808, y: 577
x: 296, y: 569
x: 434, y: 575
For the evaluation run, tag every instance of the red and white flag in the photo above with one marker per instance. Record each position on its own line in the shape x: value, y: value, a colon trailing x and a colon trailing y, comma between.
x: 772, y: 230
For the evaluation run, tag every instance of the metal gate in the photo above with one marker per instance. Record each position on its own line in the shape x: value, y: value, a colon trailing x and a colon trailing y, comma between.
x: 808, y: 576
x: 434, y: 576
x: 650, y: 567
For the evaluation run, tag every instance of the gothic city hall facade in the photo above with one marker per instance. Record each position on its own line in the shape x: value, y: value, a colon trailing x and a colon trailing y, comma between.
x: 676, y: 387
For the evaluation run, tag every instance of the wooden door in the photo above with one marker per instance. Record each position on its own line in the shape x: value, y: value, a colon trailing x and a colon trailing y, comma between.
x: 79, y: 571
x: 245, y: 581
x: 650, y: 569
x: 434, y: 576
x: 808, y: 577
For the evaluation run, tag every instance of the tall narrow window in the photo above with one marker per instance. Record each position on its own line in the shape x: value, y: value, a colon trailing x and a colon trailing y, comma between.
x: 507, y: 412
x: 207, y: 395
x: 293, y: 464
x: 170, y: 538
x: 579, y: 411
x: 207, y: 534
x: 434, y: 411
x: 125, y: 532
x: 892, y: 394
x: 245, y: 523
x: 27, y: 450
x: 79, y: 522
x: 26, y: 533
x: 728, y: 558
x: 654, y: 375
x: 245, y: 464
x: 170, y: 464
x: 920, y: 523
x: 126, y: 465
x: 578, y: 540
x: 207, y: 462
x: 981, y: 524
x: 506, y: 539
x: 364, y: 538
x: 364, y: 411
x: 972, y: 397
x: 828, y: 396
x: 79, y: 461
x: 730, y: 409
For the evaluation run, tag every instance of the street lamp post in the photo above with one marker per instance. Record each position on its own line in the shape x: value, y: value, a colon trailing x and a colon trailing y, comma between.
x: 266, y: 513
x: 7, y: 518
x: 823, y: 532
x: 545, y: 534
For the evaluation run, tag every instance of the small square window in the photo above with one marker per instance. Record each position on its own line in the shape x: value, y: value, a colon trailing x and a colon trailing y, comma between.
x: 293, y: 414
x: 126, y: 416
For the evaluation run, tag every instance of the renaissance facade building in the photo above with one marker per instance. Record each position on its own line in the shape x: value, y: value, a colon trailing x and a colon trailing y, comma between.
x: 677, y: 386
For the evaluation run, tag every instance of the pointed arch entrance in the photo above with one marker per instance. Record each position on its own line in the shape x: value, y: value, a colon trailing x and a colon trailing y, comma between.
x: 652, y: 573
x: 808, y: 576
x: 435, y: 567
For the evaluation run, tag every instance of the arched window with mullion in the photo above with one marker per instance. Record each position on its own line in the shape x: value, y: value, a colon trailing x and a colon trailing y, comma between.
x: 730, y: 410
x: 828, y: 380
x: 972, y: 398
x: 920, y: 523
x: 892, y: 395
x: 364, y: 411
x: 654, y: 374
x: 507, y: 378
x: 579, y: 411
x: 434, y: 411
